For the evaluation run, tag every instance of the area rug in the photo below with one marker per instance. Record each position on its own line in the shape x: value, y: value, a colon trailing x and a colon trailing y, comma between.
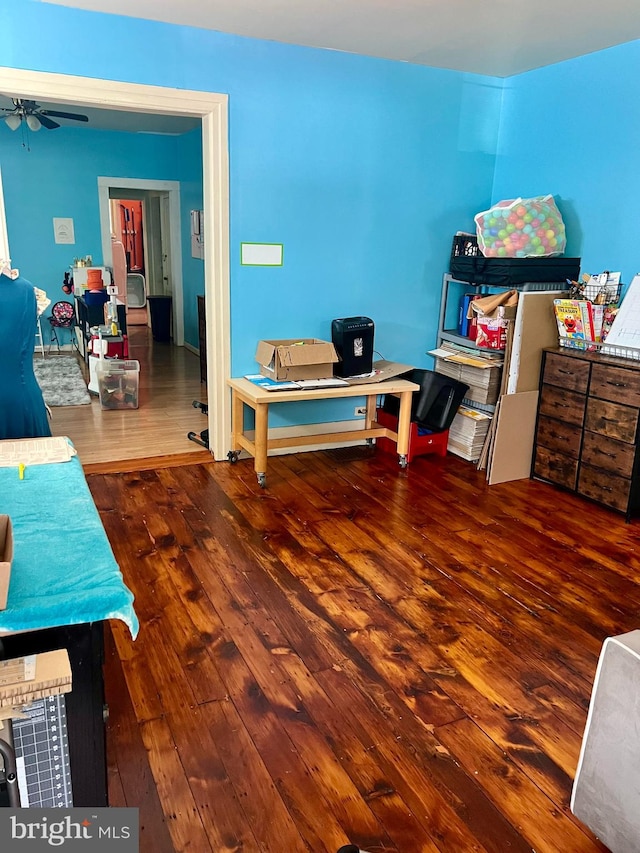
x: 61, y: 380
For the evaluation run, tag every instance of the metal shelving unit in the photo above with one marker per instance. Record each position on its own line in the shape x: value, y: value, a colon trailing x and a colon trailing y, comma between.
x: 449, y: 312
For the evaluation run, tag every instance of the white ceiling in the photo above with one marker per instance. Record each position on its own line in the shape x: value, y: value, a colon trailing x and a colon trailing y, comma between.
x: 496, y: 37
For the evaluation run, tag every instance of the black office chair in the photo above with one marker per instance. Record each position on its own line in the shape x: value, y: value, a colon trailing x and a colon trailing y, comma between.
x: 435, y: 405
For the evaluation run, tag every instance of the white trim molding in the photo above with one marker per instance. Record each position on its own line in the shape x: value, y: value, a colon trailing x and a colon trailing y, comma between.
x: 212, y: 109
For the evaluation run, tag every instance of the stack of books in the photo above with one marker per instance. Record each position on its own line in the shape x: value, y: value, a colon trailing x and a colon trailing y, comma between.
x: 467, y: 433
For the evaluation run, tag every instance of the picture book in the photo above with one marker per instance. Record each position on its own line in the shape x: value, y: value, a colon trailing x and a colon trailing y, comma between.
x: 570, y: 318
x: 579, y: 320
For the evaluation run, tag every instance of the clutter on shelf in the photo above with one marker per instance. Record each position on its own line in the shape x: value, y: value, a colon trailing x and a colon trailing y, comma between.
x: 586, y: 316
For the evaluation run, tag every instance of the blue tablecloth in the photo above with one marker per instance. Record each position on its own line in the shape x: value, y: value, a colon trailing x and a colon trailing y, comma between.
x: 63, y: 571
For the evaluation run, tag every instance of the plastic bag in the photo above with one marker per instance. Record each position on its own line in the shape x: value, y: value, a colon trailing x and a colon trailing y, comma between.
x: 521, y: 228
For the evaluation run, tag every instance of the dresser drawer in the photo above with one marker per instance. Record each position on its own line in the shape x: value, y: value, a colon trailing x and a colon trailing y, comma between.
x: 613, y: 456
x: 556, y: 467
x: 616, y: 384
x: 559, y: 436
x: 606, y: 488
x: 565, y: 372
x: 567, y: 406
x: 611, y: 419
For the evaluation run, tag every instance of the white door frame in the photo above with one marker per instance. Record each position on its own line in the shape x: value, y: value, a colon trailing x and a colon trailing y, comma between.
x: 212, y: 108
x: 173, y: 188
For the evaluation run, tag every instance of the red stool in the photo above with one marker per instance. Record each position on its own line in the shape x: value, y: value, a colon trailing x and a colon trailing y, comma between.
x: 419, y: 445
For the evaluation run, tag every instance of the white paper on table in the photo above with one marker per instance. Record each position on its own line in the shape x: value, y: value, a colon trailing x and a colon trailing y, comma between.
x: 35, y: 451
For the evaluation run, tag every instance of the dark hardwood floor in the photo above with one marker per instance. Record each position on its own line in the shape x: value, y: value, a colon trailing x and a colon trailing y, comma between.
x: 398, y: 659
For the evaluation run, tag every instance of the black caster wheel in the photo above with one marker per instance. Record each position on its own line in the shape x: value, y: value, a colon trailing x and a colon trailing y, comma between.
x: 198, y: 438
x: 402, y: 461
x: 262, y: 480
x: 232, y: 456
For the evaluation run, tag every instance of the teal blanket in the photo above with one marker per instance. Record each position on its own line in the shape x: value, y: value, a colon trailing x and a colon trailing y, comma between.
x: 64, y: 571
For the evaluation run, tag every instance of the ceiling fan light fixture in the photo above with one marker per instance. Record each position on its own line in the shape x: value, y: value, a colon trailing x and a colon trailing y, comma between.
x: 13, y: 121
x: 33, y: 123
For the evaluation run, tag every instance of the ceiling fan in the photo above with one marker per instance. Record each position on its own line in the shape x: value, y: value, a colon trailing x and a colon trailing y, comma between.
x: 34, y: 115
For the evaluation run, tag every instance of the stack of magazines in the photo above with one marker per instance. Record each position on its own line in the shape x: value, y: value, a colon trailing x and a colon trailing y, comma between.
x: 467, y: 433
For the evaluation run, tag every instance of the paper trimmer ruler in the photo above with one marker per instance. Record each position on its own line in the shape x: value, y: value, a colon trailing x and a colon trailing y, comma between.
x: 42, y: 754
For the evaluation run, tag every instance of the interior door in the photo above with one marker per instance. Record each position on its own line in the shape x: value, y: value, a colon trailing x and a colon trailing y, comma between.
x: 153, y: 232
x: 165, y: 234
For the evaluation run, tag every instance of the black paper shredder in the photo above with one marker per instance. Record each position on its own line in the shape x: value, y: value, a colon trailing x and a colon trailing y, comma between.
x: 352, y: 338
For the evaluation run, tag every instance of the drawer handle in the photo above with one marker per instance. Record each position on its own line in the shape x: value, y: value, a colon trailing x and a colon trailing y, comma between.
x: 567, y: 372
x: 617, y: 384
x: 606, y: 488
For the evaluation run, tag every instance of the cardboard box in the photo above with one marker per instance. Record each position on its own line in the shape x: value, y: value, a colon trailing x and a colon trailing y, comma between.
x: 296, y: 358
x: 491, y: 332
x: 492, y: 315
x: 6, y: 556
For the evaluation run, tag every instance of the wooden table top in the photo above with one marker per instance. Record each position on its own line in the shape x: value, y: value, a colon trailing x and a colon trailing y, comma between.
x: 258, y: 395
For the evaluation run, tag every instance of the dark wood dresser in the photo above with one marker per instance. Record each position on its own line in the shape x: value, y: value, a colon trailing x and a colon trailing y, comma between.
x: 587, y: 427
x: 202, y: 338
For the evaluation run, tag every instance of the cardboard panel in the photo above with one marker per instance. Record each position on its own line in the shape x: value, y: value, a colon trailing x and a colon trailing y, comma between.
x: 512, y: 446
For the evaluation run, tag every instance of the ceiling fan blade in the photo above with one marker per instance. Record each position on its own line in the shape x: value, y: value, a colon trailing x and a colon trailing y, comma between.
x: 74, y: 116
x: 46, y: 122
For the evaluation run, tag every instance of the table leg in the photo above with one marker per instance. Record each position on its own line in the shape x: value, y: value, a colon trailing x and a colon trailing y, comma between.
x: 371, y: 409
x: 262, y: 427
x: 404, y: 425
x: 237, y: 415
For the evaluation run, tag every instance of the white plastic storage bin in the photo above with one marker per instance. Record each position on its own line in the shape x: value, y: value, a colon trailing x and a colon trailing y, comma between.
x: 136, y: 290
x: 118, y: 383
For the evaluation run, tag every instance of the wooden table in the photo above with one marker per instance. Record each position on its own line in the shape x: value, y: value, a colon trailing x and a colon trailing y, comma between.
x: 64, y: 584
x: 245, y: 393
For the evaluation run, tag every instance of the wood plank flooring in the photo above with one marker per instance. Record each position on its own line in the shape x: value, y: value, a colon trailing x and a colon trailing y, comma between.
x: 402, y: 660
x: 169, y: 382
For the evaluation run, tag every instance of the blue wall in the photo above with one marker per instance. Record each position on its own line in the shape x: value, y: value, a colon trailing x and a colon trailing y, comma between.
x: 573, y: 130
x: 56, y: 176
x: 362, y: 168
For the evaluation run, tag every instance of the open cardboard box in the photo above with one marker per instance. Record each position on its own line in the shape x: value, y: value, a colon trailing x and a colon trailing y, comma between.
x: 492, y: 315
x: 296, y: 358
x: 6, y: 556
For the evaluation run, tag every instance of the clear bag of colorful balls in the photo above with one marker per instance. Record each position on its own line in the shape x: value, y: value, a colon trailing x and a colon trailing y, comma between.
x: 521, y: 228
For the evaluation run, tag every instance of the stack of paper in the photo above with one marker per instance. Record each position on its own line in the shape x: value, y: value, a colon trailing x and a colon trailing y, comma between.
x: 467, y: 433
x: 481, y: 373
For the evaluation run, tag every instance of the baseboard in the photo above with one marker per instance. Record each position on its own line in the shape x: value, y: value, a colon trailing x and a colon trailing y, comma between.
x: 54, y: 349
x: 191, y: 348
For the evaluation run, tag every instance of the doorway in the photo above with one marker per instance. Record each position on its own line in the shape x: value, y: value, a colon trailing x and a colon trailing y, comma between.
x: 148, y: 212
x: 212, y: 108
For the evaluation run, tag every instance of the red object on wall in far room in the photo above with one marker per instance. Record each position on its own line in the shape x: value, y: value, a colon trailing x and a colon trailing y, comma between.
x: 132, y: 234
